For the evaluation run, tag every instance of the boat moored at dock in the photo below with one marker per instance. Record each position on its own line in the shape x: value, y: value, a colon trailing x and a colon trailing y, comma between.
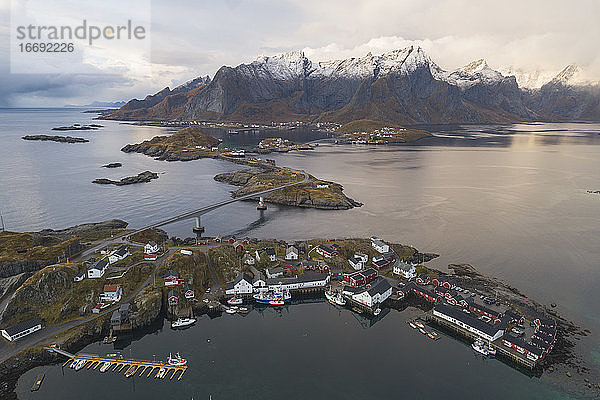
x: 268, y: 296
x: 335, y: 298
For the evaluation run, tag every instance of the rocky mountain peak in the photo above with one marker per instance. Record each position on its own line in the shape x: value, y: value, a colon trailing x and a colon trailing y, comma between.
x: 570, y: 75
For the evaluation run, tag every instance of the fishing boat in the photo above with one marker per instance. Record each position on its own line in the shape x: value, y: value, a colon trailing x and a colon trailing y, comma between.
x: 176, y: 361
x: 231, y: 311
x: 412, y: 325
x: 131, y: 371
x: 161, y: 373
x: 276, y: 302
x: 105, y: 366
x: 109, y: 339
x: 431, y: 335
x: 183, y: 322
x: 419, y: 325
x: 38, y: 382
x: 243, y: 310
x: 423, y: 331
x: 235, y: 301
x: 267, y: 296
x: 480, y: 347
x: 335, y: 298
x: 491, y: 350
x: 377, y: 311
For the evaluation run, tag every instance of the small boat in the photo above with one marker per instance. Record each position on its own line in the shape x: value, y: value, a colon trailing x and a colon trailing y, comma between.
x: 177, y: 361
x: 243, y: 310
x: 269, y: 295
x: 109, y: 339
x: 335, y: 298
x: 105, y: 366
x: 235, y: 301
x: 114, y: 355
x: 423, y: 331
x: 377, y: 311
x: 412, y: 325
x: 161, y: 373
x: 431, y: 335
x: 276, y: 302
x: 73, y: 364
x: 183, y: 322
x: 131, y: 371
x: 419, y: 325
x: 491, y: 350
x: 38, y: 382
x: 80, y: 364
x: 480, y: 347
x: 230, y: 311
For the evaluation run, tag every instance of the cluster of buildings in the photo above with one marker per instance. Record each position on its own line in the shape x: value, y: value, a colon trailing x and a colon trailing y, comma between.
x: 245, y: 284
x: 526, y: 342
x: 98, y: 268
x: 173, y: 280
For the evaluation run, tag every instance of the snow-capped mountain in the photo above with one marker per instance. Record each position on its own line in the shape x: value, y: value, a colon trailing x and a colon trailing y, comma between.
x: 404, y: 86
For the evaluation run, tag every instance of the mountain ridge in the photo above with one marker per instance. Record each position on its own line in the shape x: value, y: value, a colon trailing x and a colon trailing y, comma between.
x: 401, y: 86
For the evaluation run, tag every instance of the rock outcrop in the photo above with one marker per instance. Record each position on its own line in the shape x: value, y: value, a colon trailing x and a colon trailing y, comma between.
x: 60, y: 139
x: 142, y: 177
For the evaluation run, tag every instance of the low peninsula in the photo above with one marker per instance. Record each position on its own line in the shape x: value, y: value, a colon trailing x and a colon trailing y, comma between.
x: 365, y: 131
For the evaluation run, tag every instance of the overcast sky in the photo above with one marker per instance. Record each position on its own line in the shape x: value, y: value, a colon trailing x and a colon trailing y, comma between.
x: 194, y: 37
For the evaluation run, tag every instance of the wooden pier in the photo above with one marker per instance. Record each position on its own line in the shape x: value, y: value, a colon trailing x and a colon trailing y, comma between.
x: 149, y: 369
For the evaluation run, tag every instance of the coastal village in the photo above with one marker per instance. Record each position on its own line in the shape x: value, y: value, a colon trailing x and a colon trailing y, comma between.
x: 364, y: 275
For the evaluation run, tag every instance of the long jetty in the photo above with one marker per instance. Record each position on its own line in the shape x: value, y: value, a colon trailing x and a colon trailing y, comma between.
x: 118, y: 365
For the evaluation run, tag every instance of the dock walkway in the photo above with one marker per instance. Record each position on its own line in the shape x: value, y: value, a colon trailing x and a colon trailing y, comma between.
x: 139, y: 367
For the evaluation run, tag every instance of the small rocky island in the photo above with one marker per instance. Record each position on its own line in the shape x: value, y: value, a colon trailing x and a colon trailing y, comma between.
x: 314, y: 193
x: 186, y: 144
x: 78, y: 127
x: 60, y: 139
x: 142, y: 177
x: 113, y: 165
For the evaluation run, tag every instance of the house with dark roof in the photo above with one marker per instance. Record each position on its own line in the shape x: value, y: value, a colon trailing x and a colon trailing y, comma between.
x: 242, y: 284
x: 172, y: 278
x: 422, y: 279
x: 406, y: 270
x: 459, y: 318
x: 151, y: 248
x: 274, y: 272
x: 248, y: 259
x: 119, y: 254
x: 97, y: 270
x: 530, y: 351
x: 22, y: 329
x: 375, y: 294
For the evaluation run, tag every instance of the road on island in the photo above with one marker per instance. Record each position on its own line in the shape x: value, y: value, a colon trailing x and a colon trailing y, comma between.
x: 8, y: 350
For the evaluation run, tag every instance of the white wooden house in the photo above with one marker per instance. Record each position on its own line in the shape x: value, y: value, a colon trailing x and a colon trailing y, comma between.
x: 97, y: 270
x: 119, y: 254
x: 291, y: 253
x: 379, y: 291
x: 405, y: 270
x: 242, y: 284
x: 151, y: 248
x: 379, y: 245
x: 112, y: 293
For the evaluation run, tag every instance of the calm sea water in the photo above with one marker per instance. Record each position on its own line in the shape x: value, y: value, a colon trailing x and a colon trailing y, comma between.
x: 510, y: 200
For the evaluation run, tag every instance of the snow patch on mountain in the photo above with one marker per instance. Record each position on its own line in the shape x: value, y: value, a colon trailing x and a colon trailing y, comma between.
x: 474, y: 73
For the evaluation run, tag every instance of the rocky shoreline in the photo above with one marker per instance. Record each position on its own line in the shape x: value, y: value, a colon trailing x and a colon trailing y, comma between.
x: 315, y: 193
x: 59, y: 139
x: 142, y: 177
